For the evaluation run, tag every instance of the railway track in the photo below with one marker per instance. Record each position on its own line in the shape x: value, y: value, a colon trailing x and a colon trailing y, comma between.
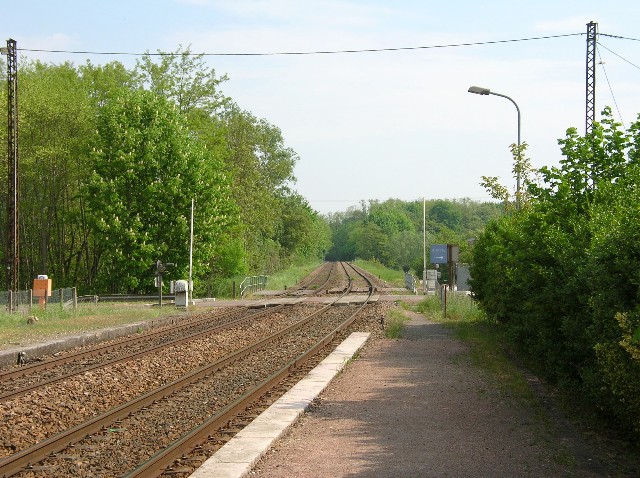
x: 22, y: 379
x: 316, y: 281
x: 334, y: 278
x: 104, y: 439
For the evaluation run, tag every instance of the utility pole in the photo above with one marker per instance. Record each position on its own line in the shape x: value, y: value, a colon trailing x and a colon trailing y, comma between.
x: 592, y: 32
x: 12, y: 169
x: 424, y: 246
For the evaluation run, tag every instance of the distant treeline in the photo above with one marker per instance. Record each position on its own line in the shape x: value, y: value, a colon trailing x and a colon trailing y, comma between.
x: 110, y: 159
x: 391, y: 232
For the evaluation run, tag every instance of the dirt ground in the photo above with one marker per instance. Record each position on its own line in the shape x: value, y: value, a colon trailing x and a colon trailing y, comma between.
x: 416, y: 407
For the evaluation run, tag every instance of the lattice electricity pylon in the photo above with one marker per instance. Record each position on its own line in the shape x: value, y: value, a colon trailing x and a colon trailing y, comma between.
x: 592, y: 32
x: 12, y: 169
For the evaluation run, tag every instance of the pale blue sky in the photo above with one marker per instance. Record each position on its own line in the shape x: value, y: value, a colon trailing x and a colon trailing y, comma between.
x: 374, y: 125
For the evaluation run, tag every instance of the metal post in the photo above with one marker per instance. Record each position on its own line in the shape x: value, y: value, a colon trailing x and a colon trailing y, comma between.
x: 424, y: 246
x: 592, y: 31
x: 189, y: 288
x: 445, y: 300
x: 519, y: 153
x: 12, y: 169
x: 159, y: 270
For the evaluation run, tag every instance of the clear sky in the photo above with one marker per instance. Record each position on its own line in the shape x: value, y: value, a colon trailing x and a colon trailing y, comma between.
x: 374, y: 125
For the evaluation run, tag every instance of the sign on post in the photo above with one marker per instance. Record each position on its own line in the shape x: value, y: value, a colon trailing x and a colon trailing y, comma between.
x: 439, y: 254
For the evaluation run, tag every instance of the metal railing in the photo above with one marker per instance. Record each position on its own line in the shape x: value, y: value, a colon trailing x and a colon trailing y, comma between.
x: 252, y: 284
x: 410, y: 282
x: 24, y: 299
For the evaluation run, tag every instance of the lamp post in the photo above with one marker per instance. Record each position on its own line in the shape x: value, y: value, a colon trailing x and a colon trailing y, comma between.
x: 424, y: 246
x: 486, y: 91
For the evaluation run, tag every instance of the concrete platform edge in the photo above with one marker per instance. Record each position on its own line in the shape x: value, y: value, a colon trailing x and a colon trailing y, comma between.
x: 237, y: 457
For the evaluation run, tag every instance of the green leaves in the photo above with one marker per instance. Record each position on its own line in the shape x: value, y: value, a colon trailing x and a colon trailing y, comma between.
x: 562, y: 275
x: 392, y: 231
x: 147, y: 169
x: 111, y: 159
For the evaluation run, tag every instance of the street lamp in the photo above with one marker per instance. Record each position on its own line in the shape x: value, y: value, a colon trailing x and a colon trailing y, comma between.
x: 486, y: 91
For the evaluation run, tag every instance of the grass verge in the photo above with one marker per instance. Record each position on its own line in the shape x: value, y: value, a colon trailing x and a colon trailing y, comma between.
x: 16, y: 329
x: 394, y: 321
x: 394, y: 278
x: 290, y: 276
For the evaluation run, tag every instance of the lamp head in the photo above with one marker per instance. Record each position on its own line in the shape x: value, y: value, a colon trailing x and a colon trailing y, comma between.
x: 479, y: 90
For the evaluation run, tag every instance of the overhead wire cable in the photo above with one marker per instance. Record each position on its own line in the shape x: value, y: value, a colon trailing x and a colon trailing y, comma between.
x: 618, y: 37
x: 317, y: 52
x: 615, y: 102
x: 619, y: 56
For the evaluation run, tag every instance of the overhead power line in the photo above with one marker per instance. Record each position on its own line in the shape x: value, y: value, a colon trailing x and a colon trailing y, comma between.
x: 615, y: 102
x: 618, y: 37
x: 317, y: 52
x: 619, y: 56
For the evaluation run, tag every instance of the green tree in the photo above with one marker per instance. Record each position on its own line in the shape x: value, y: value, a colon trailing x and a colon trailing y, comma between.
x: 56, y: 127
x: 261, y: 169
x: 342, y: 225
x: 146, y: 169
x: 446, y: 213
x: 403, y: 248
x: 522, y: 171
x: 183, y: 78
x: 370, y: 242
x: 391, y: 218
x: 301, y: 231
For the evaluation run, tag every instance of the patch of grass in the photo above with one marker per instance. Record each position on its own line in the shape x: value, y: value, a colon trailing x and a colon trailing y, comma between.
x: 430, y: 307
x: 55, y: 321
x: 394, y: 321
x: 351, y: 359
x: 394, y: 278
x: 292, y: 275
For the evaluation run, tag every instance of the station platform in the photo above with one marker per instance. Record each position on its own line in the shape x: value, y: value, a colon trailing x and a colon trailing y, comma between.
x: 237, y: 457
x: 418, y: 406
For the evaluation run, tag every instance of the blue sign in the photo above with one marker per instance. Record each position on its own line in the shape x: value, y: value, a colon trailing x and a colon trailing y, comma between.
x: 439, y: 254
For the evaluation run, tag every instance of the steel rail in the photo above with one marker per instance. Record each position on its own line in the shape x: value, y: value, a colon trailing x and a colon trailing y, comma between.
x: 317, y: 273
x: 333, y: 264
x: 334, y: 272
x: 363, y: 275
x: 22, y: 391
x: 94, y: 351
x: 158, y: 463
x: 306, y: 285
x: 20, y: 460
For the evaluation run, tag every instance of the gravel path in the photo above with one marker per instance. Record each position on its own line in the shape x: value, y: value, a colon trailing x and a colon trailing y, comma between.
x: 416, y: 407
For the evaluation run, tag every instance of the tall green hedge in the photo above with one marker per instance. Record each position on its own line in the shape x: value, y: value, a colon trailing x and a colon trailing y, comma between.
x: 563, y: 273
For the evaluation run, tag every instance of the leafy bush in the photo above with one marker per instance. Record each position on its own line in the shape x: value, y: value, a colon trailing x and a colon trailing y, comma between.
x: 563, y: 274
